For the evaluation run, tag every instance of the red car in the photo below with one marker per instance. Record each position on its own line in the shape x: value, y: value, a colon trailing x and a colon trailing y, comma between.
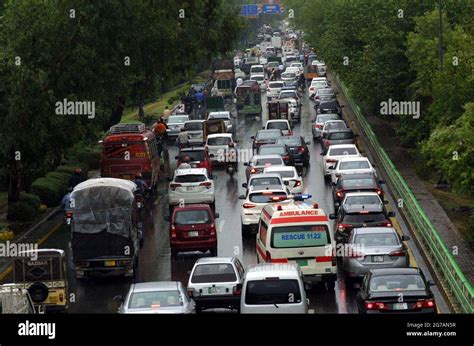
x: 193, y: 228
x: 199, y: 158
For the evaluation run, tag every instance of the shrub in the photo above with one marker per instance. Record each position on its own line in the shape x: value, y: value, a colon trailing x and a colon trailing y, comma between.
x: 26, y: 209
x: 470, y: 230
x: 49, y: 190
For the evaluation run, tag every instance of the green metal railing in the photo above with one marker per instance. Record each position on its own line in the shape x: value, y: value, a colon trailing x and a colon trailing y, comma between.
x: 460, y: 286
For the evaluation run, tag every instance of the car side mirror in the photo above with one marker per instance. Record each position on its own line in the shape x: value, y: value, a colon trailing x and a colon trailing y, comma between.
x: 252, y: 137
x: 169, y: 179
x: 321, y: 153
x: 167, y: 218
x: 118, y: 299
x: 238, y: 287
x: 333, y: 216
x: 242, y: 197
x: 430, y: 283
x: 386, y: 202
x: 391, y: 214
x: 246, y: 163
x: 405, y: 237
x: 213, y: 177
x: 176, y: 157
x: 216, y: 215
x: 286, y: 183
x: 337, y: 204
x: 382, y: 181
x: 307, y: 143
x: 211, y: 155
x: 356, y: 135
x: 333, y: 184
x: 244, y: 185
x: 342, y: 106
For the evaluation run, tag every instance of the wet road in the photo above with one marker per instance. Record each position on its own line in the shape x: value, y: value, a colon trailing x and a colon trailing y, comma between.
x: 155, y: 262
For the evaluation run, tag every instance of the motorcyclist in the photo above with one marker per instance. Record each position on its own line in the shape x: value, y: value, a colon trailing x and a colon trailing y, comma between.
x: 159, y: 128
x: 186, y: 163
x: 142, y: 186
x: 66, y: 201
x: 182, y: 141
x: 76, y: 178
x: 302, y: 81
x: 231, y: 156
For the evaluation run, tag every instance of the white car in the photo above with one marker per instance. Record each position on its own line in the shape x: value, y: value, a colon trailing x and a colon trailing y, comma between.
x: 263, y: 61
x: 268, y: 179
x: 289, y: 175
x: 293, y: 108
x: 256, y: 199
x: 191, y: 185
x: 294, y: 70
x: 280, y: 124
x: 351, y: 165
x: 237, y: 61
x: 298, y: 65
x: 194, y: 130
x: 337, y: 152
x: 217, y: 144
x: 289, y: 94
x: 238, y: 73
x: 260, y: 79
x: 321, y: 68
x: 289, y: 77
x: 224, y: 115
x: 257, y: 70
x: 273, y: 89
x: 361, y: 198
x: 316, y: 84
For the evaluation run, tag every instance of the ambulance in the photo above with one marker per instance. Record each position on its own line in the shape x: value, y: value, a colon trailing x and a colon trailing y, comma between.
x: 298, y: 232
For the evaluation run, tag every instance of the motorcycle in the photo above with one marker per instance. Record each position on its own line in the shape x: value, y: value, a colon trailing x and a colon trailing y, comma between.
x: 68, y: 218
x: 230, y: 169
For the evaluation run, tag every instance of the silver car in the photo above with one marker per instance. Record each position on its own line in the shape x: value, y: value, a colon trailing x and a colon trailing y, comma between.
x: 175, y: 124
x: 194, y: 129
x: 160, y: 297
x: 372, y: 248
x: 318, y: 124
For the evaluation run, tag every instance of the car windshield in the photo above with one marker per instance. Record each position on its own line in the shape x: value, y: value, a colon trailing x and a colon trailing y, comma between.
x: 270, y: 292
x: 376, y: 239
x: 275, y: 85
x: 340, y: 135
x: 155, y: 300
x: 197, y: 126
x: 288, y: 75
x: 263, y: 150
x: 285, y: 174
x: 267, y: 197
x: 326, y: 117
x: 329, y: 105
x: 368, y: 199
x: 362, y: 182
x: 268, y: 134
x: 342, y: 151
x: 364, y: 218
x: 218, y: 272
x: 191, y: 217
x: 291, y: 142
x: 354, y: 165
x: 319, y: 84
x: 257, y: 70
x: 190, y: 178
x: 193, y: 156
x: 218, y: 140
x: 265, y: 181
x: 280, y: 125
x: 177, y: 119
x: 397, y: 283
x: 300, y: 236
x: 325, y: 92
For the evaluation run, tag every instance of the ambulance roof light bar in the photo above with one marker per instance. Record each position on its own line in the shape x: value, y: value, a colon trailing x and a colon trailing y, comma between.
x: 301, y: 197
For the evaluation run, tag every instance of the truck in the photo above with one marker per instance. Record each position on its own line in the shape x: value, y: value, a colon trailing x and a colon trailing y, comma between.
x: 223, y: 76
x: 279, y: 109
x: 214, y: 104
x: 276, y: 42
x: 105, y: 232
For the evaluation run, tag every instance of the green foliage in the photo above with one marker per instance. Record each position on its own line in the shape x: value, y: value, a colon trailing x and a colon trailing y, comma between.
x: 26, y: 209
x: 50, y: 190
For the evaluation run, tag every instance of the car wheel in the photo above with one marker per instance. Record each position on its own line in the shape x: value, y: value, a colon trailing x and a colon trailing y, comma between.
x: 330, y: 285
x: 198, y: 309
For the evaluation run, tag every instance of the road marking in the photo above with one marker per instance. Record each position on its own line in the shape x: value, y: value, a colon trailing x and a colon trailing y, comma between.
x: 39, y: 242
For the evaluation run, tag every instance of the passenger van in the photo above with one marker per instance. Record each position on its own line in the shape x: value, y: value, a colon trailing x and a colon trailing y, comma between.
x: 273, y: 288
x: 298, y: 232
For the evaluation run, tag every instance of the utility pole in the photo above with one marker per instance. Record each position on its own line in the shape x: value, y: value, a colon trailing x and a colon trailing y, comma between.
x: 440, y: 34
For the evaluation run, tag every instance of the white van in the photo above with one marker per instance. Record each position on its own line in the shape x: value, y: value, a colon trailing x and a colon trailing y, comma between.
x: 298, y: 232
x: 273, y: 288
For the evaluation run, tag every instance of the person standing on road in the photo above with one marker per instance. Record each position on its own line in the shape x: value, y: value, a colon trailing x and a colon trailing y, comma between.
x: 166, y: 112
x: 182, y: 141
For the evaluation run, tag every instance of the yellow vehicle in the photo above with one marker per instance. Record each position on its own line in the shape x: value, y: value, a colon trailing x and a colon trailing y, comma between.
x: 43, y: 273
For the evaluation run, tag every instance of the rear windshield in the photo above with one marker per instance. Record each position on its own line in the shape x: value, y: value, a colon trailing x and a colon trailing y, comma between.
x: 340, y: 135
x: 335, y: 125
x: 369, y: 199
x: 342, y: 151
x: 268, y: 161
x: 194, y: 155
x: 275, y: 85
x: 243, y: 90
x: 397, y: 283
x: 258, y: 78
x: 376, y: 239
x: 354, y: 165
x: 268, y: 134
x: 300, y: 236
x: 121, y: 150
x: 256, y: 69
x: 155, y: 299
x: 222, y: 272
x: 364, y: 218
x: 260, y: 197
x: 325, y: 92
x: 280, y: 125
x: 190, y: 178
x: 218, y: 141
x: 271, y: 150
x: 288, y: 75
x: 191, y: 217
x: 198, y: 126
x: 219, y: 116
x: 363, y: 182
x: 271, y: 292
x: 265, y: 181
x: 326, y: 117
x: 292, y: 142
x: 289, y: 94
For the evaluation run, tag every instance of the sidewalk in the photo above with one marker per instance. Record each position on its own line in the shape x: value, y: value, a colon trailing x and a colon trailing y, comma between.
x: 404, y: 161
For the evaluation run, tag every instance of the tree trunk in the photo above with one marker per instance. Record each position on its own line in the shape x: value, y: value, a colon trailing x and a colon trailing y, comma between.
x: 14, y: 183
x: 141, y: 112
x: 117, y: 112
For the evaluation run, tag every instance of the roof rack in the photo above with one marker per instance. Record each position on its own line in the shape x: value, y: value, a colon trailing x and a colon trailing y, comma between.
x: 127, y: 128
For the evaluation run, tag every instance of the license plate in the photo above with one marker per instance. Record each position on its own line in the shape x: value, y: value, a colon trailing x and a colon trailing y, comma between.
x: 190, y: 188
x: 302, y: 263
x: 110, y: 263
x: 193, y: 234
x: 377, y: 258
x: 214, y: 290
x: 400, y: 306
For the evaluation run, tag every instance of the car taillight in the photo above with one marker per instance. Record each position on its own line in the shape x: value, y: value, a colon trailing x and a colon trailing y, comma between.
x: 253, y: 170
x: 69, y: 215
x: 301, y: 149
x: 236, y: 291
x: 207, y: 184
x: 340, y: 193
x: 425, y: 303
x: 330, y: 161
x: 173, y: 186
x: 290, y: 133
x: 213, y: 229
x: 342, y: 226
x: 297, y: 183
x: 379, y: 192
x: 173, y: 232
x: 386, y: 224
x: 190, y: 292
x: 249, y: 205
x: 398, y: 253
x: 285, y: 158
x: 375, y: 306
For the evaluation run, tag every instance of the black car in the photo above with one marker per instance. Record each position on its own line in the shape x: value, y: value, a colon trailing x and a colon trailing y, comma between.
x: 278, y: 149
x: 362, y: 182
x: 298, y: 148
x: 265, y: 137
x: 360, y: 215
x: 396, y: 290
x: 331, y: 106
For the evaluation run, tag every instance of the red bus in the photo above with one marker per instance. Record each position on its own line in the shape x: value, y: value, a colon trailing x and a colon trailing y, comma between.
x: 128, y: 149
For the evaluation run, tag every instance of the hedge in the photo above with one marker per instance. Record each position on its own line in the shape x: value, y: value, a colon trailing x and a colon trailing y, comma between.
x: 69, y: 168
x: 50, y: 189
x: 26, y: 209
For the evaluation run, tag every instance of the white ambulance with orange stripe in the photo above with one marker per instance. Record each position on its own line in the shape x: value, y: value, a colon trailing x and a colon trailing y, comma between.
x: 298, y: 232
